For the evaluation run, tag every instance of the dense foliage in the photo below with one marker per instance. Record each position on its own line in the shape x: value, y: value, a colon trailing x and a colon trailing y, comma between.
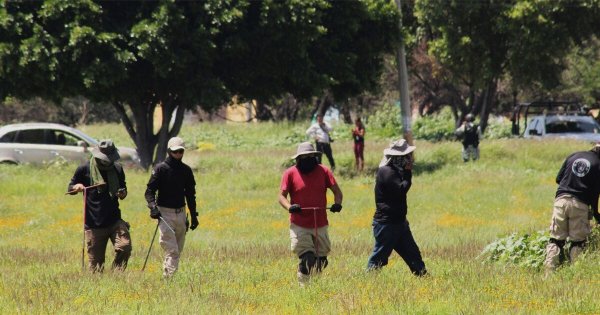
x: 137, y: 55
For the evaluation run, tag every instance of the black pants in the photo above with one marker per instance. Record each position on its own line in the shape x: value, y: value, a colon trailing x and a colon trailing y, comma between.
x: 326, y: 149
x: 395, y: 237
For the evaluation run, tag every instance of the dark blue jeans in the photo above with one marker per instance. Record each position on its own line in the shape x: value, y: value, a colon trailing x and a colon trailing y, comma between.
x: 396, y: 237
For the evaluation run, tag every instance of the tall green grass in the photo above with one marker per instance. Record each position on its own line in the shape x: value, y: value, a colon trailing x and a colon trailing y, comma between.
x: 238, y: 260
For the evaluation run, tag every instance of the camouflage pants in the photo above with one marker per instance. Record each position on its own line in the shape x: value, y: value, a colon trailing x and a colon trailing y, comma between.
x: 470, y: 151
x: 97, y: 239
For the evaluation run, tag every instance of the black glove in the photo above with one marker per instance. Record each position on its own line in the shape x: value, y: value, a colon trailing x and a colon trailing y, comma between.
x: 295, y: 208
x: 195, y: 222
x: 597, y: 217
x: 336, y: 207
x: 154, y: 213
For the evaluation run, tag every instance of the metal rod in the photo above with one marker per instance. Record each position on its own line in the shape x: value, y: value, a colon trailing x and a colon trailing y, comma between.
x: 151, y: 242
x: 167, y: 224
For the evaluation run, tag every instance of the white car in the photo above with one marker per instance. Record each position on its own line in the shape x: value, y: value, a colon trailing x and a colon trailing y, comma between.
x: 38, y: 143
x: 579, y: 127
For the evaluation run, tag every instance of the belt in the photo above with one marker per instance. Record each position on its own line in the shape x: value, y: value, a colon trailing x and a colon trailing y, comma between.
x: 176, y: 210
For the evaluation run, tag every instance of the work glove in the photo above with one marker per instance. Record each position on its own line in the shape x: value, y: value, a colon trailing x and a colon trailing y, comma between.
x: 195, y: 222
x: 336, y: 207
x: 154, y: 213
x: 295, y: 208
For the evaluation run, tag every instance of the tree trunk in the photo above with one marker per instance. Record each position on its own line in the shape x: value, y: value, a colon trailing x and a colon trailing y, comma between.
x: 345, y: 111
x: 262, y: 111
x: 325, y: 102
x: 488, y: 100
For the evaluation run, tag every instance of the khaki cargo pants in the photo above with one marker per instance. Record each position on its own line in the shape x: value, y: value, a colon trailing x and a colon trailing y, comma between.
x: 570, y: 221
x: 172, y: 243
x: 303, y: 240
x: 97, y: 239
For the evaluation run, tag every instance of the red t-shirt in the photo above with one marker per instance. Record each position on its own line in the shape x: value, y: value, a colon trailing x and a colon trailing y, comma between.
x: 308, y: 190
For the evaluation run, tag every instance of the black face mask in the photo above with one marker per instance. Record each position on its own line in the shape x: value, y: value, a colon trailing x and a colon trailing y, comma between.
x: 306, y: 165
x: 400, y: 162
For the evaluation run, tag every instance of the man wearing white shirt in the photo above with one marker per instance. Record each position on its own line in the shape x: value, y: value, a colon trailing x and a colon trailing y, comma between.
x: 320, y: 132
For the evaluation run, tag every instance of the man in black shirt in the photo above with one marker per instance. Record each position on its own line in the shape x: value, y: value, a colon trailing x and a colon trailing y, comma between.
x: 175, y: 184
x: 578, y: 189
x: 102, y: 214
x: 390, y: 227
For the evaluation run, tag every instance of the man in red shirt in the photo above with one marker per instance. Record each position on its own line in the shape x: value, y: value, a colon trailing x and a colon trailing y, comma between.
x: 307, y: 183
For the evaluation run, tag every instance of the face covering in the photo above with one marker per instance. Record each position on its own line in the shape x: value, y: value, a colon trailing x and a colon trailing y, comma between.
x: 306, y: 165
x: 399, y: 161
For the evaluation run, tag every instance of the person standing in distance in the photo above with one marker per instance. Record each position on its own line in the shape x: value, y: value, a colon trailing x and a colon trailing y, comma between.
x: 576, y: 198
x: 358, y: 134
x: 320, y: 132
x: 102, y: 214
x: 306, y: 183
x: 470, y: 133
x: 175, y: 184
x: 390, y: 226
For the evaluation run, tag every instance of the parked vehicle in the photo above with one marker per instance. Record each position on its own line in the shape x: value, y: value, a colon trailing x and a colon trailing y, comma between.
x: 39, y: 143
x: 566, y: 119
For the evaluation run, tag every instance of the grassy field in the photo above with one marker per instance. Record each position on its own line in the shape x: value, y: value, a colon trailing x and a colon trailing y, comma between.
x: 239, y: 261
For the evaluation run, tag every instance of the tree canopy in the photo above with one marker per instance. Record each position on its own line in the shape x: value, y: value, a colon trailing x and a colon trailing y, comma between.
x: 136, y: 55
x: 478, y: 43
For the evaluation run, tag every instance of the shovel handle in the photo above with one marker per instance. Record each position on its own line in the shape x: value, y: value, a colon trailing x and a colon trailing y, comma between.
x: 86, y: 188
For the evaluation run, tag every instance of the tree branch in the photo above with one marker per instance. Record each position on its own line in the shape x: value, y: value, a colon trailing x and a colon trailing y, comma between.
x: 125, y: 119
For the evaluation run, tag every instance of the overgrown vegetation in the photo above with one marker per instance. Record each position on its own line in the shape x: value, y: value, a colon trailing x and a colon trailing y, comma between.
x: 238, y: 260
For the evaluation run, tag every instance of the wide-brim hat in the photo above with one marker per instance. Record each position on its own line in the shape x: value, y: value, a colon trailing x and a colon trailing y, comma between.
x: 396, y: 148
x: 175, y: 144
x: 306, y: 148
x: 106, y: 151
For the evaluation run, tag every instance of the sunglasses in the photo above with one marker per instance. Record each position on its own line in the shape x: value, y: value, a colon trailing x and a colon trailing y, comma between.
x: 180, y: 151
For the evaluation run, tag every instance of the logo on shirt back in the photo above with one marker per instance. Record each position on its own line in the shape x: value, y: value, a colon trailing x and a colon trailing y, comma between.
x: 581, y: 167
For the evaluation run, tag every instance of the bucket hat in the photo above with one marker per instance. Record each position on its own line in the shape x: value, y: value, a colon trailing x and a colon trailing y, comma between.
x: 106, y: 151
x: 396, y: 148
x: 305, y: 148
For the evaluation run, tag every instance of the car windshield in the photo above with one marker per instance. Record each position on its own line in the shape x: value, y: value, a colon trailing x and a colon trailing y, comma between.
x: 572, y: 126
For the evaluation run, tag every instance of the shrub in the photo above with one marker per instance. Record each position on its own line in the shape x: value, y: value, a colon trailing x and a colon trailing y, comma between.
x: 498, y: 128
x: 528, y: 250
x: 522, y: 250
x: 435, y: 127
x: 385, y: 122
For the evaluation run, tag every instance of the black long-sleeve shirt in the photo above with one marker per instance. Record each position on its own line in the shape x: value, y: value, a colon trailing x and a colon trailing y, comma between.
x: 101, y: 210
x: 391, y: 187
x: 175, y: 183
x: 579, y: 176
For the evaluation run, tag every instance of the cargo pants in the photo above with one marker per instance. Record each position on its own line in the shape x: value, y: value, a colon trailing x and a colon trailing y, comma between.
x: 172, y: 242
x: 97, y: 239
x: 570, y: 221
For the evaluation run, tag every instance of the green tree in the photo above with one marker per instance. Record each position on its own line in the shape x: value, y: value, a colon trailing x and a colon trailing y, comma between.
x: 137, y: 55
x: 479, y: 42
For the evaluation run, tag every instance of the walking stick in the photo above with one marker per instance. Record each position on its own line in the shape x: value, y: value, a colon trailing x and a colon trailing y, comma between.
x: 85, y: 189
x: 151, y: 242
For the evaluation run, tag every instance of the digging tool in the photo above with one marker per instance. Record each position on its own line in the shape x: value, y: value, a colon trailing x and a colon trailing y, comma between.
x: 85, y: 189
x: 151, y: 242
